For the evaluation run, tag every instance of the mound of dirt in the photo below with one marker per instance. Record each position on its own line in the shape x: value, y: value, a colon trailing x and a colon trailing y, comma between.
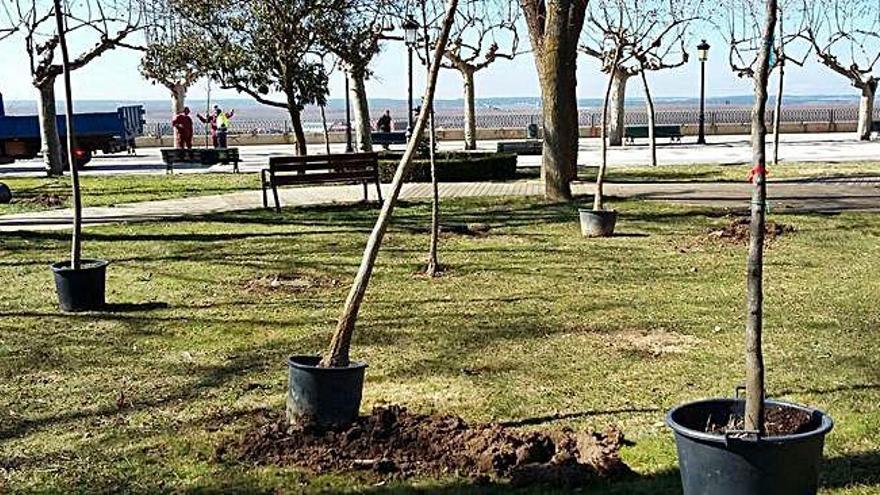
x: 46, y: 200
x: 289, y: 283
x: 738, y: 231
x: 394, y: 443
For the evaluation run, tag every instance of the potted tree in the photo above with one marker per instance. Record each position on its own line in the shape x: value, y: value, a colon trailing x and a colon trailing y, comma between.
x: 599, y: 222
x: 79, y: 283
x: 327, y: 390
x: 756, y: 445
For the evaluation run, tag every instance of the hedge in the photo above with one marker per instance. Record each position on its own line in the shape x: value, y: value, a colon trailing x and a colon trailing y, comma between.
x: 453, y: 167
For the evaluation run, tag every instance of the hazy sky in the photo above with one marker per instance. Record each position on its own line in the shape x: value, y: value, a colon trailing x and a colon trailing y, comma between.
x: 116, y: 76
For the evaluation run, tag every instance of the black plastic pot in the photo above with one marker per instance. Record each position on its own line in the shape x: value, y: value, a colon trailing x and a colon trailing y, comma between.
x: 730, y: 464
x: 326, y: 396
x: 597, y: 223
x: 82, y: 289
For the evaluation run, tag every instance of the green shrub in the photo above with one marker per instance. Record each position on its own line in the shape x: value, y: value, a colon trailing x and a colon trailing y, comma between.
x: 453, y: 167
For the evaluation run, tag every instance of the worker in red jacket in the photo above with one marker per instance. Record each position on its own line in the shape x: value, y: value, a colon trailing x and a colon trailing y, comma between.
x: 183, y: 126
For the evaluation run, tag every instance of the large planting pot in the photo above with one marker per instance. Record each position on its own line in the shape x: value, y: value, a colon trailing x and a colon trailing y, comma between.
x: 597, y: 223
x: 82, y: 289
x: 326, y: 396
x: 715, y: 464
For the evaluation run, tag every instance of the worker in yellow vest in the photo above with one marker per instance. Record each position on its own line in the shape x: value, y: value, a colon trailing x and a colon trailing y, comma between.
x: 219, y: 123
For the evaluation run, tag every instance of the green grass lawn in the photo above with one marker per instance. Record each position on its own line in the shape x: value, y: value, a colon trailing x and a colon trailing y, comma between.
x: 735, y: 173
x: 533, y: 320
x: 35, y: 194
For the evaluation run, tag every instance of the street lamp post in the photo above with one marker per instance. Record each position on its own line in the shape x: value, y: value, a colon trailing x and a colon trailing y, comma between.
x: 411, y: 35
x: 348, y: 145
x: 703, y: 55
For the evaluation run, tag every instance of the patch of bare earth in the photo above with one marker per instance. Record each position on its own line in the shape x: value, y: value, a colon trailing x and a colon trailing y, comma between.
x: 738, y: 231
x: 393, y: 443
x: 289, y: 283
x: 45, y: 200
x: 654, y: 343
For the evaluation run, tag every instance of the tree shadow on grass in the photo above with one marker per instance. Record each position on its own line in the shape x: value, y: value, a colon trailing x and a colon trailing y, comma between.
x: 133, y: 307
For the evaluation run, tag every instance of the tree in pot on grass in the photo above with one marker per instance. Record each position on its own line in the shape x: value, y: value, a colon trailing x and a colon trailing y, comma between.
x: 599, y: 222
x: 756, y: 445
x: 79, y: 283
x: 328, y: 390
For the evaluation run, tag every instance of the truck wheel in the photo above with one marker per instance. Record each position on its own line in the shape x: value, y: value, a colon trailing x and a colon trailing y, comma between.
x: 5, y: 194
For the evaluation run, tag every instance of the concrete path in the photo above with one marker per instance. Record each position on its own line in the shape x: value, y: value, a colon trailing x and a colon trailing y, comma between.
x: 836, y: 147
x: 808, y: 195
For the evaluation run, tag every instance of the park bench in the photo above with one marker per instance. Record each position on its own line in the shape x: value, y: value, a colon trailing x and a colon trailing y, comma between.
x: 205, y: 156
x: 349, y: 168
x: 388, y: 138
x: 529, y: 147
x: 875, y: 126
x: 673, y: 132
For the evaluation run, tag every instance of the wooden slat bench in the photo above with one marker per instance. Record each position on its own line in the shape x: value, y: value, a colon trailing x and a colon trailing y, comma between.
x: 673, y: 132
x: 529, y: 147
x: 388, y: 138
x: 349, y: 168
x: 205, y: 156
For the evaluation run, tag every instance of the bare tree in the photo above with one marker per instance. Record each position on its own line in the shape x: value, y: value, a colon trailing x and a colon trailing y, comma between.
x: 106, y: 24
x: 655, y: 34
x: 614, y: 55
x: 340, y: 345
x: 755, y: 393
x: 554, y: 30
x: 845, y: 35
x: 484, y: 32
x: 744, y: 32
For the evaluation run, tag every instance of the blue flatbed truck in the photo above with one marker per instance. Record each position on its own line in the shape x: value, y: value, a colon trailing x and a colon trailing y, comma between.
x: 107, y: 132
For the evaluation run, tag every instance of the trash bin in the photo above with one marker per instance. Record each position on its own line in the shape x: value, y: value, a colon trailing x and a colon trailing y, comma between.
x: 532, y: 131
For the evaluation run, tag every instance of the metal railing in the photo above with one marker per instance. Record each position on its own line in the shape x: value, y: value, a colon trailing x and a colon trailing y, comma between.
x: 519, y: 120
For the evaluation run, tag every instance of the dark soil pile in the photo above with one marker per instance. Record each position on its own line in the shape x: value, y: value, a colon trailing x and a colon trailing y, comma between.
x: 46, y: 200
x: 777, y: 421
x: 458, y: 229
x: 289, y: 283
x: 393, y: 443
x: 738, y: 231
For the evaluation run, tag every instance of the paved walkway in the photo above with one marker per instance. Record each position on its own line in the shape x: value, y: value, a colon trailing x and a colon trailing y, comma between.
x: 808, y: 195
x: 835, y: 147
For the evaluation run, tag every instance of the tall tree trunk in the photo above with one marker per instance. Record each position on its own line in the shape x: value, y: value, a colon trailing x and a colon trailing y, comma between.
x: 178, y: 97
x: 652, y: 139
x: 599, y: 198
x: 340, y: 345
x: 470, y: 111
x: 433, y: 268
x: 298, y: 133
x: 178, y: 102
x: 362, y: 125
x: 326, y: 130
x: 76, y: 239
x: 616, y: 124
x: 777, y: 112
x: 866, y: 110
x: 50, y: 142
x: 558, y: 76
x: 754, y: 408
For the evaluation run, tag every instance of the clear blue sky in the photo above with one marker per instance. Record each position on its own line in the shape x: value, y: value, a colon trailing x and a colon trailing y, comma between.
x: 115, y: 76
